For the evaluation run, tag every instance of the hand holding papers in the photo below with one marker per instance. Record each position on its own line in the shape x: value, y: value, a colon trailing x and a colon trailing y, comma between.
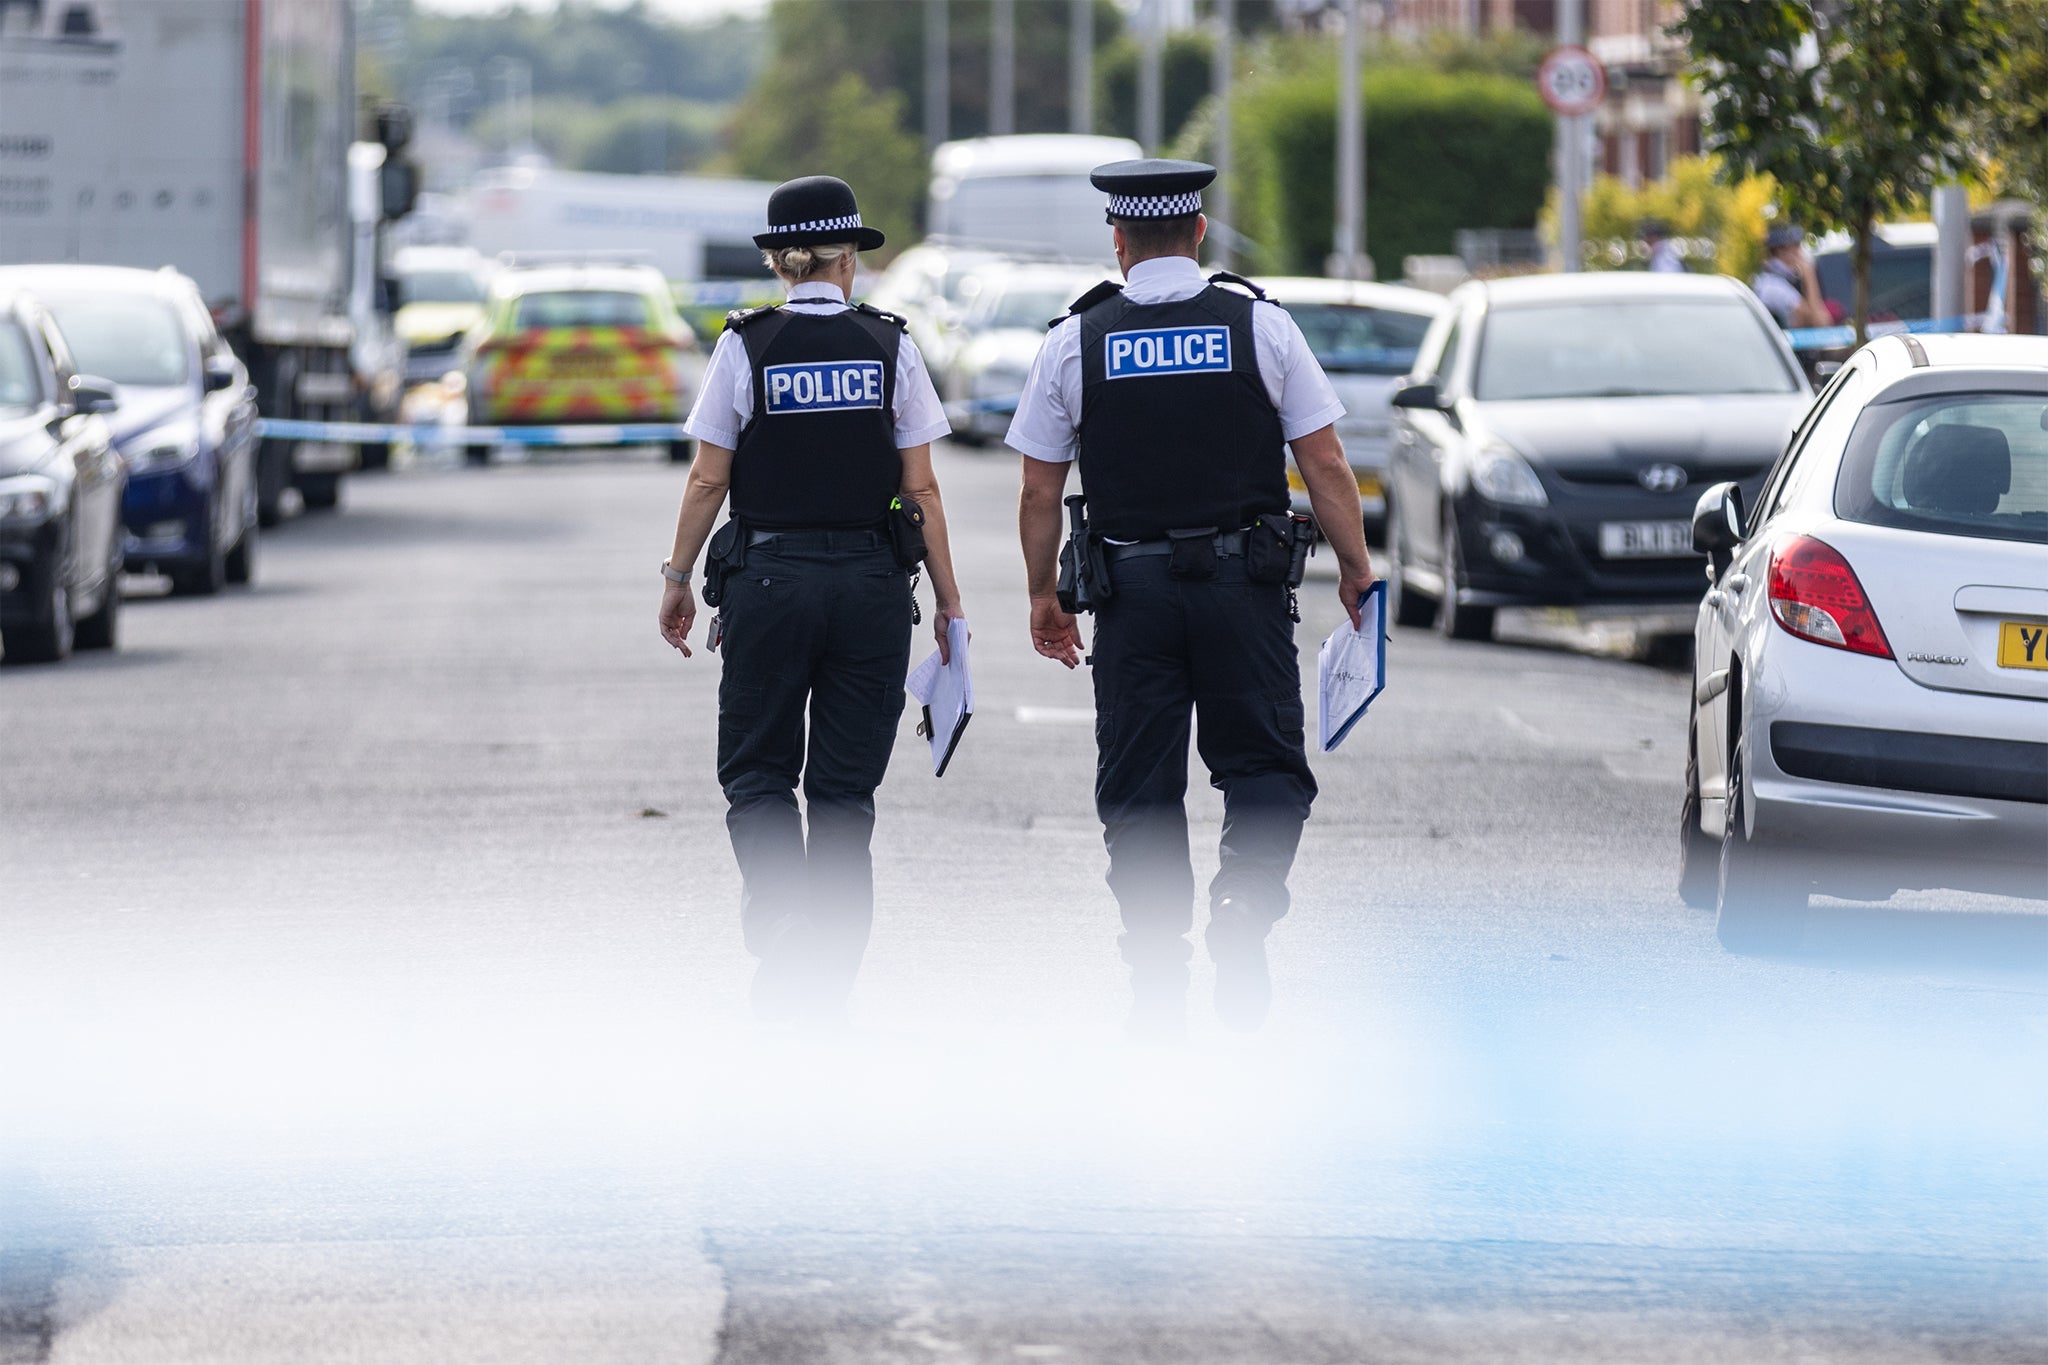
x: 947, y: 694
x: 1354, y: 666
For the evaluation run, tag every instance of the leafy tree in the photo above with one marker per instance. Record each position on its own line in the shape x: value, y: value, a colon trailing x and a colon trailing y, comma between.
x: 2019, y: 119
x: 1854, y: 107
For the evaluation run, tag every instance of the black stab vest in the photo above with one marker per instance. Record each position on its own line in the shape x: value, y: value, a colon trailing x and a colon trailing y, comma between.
x: 820, y: 449
x: 1177, y: 430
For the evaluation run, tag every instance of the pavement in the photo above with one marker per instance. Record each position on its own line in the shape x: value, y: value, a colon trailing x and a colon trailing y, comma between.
x: 373, y: 992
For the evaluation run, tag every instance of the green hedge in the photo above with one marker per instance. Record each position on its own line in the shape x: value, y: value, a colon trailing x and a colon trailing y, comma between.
x: 1443, y: 152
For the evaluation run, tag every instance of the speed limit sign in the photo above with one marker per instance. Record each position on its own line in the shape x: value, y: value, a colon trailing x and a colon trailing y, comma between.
x: 1572, y: 81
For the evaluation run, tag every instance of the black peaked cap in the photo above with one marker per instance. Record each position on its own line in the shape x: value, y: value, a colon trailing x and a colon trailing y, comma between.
x: 812, y: 211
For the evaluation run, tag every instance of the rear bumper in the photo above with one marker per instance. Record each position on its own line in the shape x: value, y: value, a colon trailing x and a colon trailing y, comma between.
x: 1924, y: 789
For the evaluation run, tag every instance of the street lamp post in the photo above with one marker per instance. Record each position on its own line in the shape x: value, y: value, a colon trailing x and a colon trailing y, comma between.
x: 1002, y: 68
x: 937, y: 73
x: 1347, y: 256
x: 1219, y: 198
x: 1081, y: 66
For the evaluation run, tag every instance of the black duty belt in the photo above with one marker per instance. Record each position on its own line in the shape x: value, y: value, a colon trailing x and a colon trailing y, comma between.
x: 821, y: 538
x: 1228, y: 543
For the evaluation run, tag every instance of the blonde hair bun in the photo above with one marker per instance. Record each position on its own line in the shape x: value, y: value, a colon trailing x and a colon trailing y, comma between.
x: 798, y: 263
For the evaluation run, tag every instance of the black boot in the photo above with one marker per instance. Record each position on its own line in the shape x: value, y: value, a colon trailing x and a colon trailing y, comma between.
x: 1237, y: 945
x: 1159, y: 988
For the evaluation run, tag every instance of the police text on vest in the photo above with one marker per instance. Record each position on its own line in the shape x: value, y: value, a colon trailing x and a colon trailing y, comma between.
x: 824, y: 386
x: 1167, y: 350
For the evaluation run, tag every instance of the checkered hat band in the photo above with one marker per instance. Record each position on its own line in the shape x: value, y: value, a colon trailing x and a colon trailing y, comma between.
x: 1155, y: 205
x: 851, y: 220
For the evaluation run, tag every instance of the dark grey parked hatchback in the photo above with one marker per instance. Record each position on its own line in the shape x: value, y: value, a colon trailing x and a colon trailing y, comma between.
x: 1556, y: 432
x: 61, y: 482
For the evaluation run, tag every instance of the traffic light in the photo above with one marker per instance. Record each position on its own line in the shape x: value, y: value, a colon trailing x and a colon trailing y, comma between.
x: 398, y: 179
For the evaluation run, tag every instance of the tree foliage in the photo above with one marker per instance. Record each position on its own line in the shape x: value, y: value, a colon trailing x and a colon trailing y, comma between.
x: 582, y: 51
x: 1186, y: 74
x: 1854, y: 107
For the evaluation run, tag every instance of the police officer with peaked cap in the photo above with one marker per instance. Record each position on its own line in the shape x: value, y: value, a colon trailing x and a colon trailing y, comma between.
x: 1178, y: 396
x: 817, y: 419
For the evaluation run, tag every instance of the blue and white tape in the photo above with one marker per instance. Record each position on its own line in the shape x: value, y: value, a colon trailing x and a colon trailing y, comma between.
x: 1841, y: 337
x: 434, y: 434
x: 431, y: 434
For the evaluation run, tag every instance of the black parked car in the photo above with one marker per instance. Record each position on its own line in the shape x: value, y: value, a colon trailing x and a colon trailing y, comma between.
x: 1556, y: 432
x: 60, y: 494
x: 187, y: 422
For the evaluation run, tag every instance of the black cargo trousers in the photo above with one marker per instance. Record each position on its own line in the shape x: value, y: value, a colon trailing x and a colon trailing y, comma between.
x: 1223, y: 646
x: 817, y: 628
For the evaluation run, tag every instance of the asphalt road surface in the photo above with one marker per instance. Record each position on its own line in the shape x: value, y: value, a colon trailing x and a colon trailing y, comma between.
x: 372, y: 992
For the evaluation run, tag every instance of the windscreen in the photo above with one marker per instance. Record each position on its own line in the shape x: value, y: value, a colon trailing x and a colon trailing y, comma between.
x: 129, y: 339
x: 581, y: 308
x: 1964, y: 464
x: 1628, y: 348
x: 19, y: 386
x: 440, y: 286
x: 1347, y: 339
x: 1031, y: 309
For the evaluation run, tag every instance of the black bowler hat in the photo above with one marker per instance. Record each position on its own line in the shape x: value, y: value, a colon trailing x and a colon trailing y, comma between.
x: 812, y: 211
x: 1152, y: 188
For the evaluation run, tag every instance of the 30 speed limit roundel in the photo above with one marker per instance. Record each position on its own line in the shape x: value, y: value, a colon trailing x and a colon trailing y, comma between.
x: 1572, y: 81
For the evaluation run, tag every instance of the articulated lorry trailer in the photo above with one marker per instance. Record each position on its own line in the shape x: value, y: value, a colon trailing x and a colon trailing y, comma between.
x: 212, y: 136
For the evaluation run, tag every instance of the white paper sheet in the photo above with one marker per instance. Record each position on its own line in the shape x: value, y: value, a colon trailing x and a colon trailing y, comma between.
x: 946, y: 691
x: 1353, y: 667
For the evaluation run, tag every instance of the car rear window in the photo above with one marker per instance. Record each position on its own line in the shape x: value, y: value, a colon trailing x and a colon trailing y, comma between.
x: 1961, y: 464
x: 1628, y: 348
x: 1347, y: 339
x: 581, y: 308
x: 19, y: 386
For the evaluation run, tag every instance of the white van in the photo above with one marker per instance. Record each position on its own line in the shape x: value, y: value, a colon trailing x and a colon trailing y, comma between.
x: 1026, y: 195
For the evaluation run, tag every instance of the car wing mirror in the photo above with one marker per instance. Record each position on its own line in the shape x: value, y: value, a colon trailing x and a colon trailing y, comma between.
x: 90, y: 394
x: 218, y: 373
x: 1423, y: 395
x: 1717, y: 523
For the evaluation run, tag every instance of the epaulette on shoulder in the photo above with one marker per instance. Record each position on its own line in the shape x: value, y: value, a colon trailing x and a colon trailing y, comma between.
x: 1225, y: 277
x: 740, y: 317
x: 1108, y: 289
x: 874, y: 312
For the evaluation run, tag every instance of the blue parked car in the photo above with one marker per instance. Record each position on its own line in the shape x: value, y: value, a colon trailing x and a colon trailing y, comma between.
x: 186, y: 424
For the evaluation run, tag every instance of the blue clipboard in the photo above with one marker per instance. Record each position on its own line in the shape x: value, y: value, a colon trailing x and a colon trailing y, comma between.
x: 1352, y: 668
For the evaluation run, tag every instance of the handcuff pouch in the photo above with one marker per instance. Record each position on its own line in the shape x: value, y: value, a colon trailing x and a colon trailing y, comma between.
x: 1192, y: 555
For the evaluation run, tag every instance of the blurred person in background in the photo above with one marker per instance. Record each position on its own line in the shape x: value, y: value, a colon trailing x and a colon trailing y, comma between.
x: 1664, y: 257
x: 816, y: 418
x: 1788, y: 286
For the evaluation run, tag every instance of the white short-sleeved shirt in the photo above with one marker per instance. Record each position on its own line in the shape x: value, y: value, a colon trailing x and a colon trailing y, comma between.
x: 1048, y: 421
x: 1778, y: 294
x: 726, y: 404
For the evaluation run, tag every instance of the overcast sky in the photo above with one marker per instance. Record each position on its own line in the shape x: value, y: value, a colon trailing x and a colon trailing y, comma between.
x: 686, y: 10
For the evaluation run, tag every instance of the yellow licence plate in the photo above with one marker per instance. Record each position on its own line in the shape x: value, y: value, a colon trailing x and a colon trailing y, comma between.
x: 2023, y: 644
x: 1368, y: 485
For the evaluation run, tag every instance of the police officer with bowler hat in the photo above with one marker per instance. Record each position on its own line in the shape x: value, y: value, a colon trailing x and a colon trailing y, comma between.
x: 816, y: 418
x: 1178, y: 397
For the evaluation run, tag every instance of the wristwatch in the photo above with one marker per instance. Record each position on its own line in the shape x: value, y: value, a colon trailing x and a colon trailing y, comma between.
x: 673, y: 574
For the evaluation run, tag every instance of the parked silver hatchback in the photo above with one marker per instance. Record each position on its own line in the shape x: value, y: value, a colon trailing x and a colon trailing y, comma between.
x: 1871, y: 679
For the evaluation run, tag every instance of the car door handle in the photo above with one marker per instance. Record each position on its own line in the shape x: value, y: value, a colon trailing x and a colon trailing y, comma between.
x: 1737, y: 583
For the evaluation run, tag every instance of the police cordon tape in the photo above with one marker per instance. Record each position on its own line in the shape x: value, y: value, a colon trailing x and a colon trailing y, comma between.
x: 1844, y: 336
x: 434, y: 434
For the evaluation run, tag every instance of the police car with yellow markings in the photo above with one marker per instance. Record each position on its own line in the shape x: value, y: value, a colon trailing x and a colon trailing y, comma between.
x: 578, y: 344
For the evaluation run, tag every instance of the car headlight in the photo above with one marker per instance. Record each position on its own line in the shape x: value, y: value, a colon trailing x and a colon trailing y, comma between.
x: 164, y: 448
x: 1502, y: 475
x: 27, y: 500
